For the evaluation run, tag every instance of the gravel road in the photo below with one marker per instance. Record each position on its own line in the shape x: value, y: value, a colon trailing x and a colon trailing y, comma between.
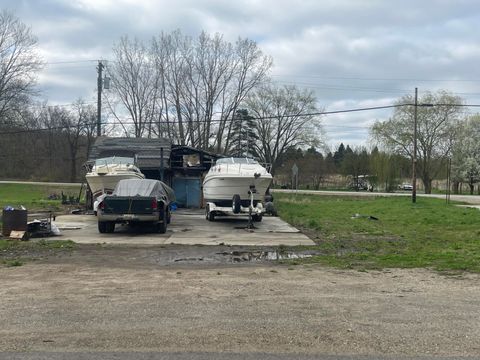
x: 74, y: 306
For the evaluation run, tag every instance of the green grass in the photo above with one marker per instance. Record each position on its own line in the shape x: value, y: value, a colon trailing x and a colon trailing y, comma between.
x: 13, y: 262
x: 40, y: 244
x: 33, y: 196
x: 426, y: 234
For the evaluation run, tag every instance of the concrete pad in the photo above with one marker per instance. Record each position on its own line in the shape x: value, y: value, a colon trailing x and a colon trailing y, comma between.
x: 188, y: 227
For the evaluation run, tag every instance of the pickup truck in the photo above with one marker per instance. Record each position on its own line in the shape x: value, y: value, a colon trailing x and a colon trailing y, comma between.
x: 135, y: 202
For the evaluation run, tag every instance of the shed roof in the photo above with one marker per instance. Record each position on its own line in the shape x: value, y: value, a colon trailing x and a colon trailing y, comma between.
x: 146, y: 151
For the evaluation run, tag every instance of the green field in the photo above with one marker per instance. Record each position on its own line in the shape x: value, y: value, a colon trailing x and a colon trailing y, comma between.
x: 427, y: 234
x: 34, y: 197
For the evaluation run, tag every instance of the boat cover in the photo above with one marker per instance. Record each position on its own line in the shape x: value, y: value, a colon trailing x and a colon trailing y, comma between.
x: 144, y: 187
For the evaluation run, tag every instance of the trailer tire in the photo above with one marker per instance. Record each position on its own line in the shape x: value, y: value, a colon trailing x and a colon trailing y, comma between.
x: 209, y: 215
x: 236, y: 204
x: 257, y: 218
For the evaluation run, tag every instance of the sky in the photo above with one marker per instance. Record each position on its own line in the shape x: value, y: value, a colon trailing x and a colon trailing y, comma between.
x: 352, y: 53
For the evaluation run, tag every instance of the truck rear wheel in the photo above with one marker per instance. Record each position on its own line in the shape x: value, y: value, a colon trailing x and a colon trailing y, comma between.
x: 106, y: 227
x: 102, y: 227
x: 162, y: 224
x: 110, y: 227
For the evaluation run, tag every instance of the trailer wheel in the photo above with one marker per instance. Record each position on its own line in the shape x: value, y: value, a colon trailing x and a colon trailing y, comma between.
x: 257, y: 218
x: 209, y: 215
x: 236, y: 204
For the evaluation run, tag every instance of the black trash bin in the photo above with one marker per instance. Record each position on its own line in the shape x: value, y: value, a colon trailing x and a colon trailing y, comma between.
x: 14, y: 220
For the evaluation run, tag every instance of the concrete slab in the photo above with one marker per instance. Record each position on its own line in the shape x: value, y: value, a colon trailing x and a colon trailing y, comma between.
x: 188, y: 227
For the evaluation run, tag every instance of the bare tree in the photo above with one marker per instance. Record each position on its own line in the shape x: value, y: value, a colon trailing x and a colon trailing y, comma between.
x: 184, y: 88
x: 19, y: 64
x: 171, y: 54
x: 283, y: 120
x: 133, y: 79
x: 250, y: 71
x: 436, y: 131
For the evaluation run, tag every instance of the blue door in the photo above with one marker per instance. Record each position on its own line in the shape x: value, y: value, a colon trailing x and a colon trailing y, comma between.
x: 187, y: 192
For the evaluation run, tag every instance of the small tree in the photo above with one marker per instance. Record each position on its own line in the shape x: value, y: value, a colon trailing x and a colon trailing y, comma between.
x: 466, y: 153
x: 244, y: 135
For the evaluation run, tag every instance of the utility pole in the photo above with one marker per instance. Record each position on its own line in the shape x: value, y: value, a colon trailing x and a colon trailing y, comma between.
x: 414, y: 159
x: 99, y: 98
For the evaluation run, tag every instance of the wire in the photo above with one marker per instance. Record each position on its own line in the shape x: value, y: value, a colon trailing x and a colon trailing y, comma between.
x: 253, y: 118
x: 68, y: 62
x: 374, y: 79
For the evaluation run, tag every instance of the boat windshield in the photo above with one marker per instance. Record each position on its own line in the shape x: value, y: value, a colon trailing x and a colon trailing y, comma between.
x: 233, y: 160
x: 114, y: 160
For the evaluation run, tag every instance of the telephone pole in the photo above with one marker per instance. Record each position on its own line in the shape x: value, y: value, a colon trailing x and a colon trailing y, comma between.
x: 99, y: 98
x: 414, y: 158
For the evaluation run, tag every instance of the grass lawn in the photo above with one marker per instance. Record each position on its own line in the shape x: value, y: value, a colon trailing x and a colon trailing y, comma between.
x: 426, y: 234
x: 17, y: 253
x: 33, y: 197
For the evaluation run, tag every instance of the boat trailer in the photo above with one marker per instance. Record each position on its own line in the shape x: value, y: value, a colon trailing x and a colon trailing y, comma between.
x: 254, y: 212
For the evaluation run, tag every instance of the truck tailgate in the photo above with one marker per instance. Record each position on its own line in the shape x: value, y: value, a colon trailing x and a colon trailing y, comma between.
x: 128, y: 205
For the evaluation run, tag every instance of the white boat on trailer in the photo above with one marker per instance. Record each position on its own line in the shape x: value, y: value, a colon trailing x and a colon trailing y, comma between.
x: 235, y: 186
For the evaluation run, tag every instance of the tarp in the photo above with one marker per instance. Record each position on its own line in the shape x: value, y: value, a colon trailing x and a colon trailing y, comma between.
x: 144, y: 187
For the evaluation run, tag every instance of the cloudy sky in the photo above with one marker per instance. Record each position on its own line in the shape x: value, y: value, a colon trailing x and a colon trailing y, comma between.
x: 352, y: 53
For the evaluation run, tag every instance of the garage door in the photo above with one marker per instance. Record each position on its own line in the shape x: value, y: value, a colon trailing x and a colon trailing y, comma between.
x: 187, y: 192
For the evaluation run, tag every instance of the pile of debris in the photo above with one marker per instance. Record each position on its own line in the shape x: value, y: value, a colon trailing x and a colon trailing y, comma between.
x: 15, y: 224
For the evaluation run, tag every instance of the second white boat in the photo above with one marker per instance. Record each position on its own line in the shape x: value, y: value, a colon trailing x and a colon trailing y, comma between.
x: 231, y: 177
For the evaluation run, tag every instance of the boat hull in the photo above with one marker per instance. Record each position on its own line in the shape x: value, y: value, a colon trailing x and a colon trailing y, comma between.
x: 105, y: 184
x: 220, y: 189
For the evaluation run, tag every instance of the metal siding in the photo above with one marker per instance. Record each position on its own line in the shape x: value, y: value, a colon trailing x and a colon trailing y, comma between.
x: 180, y: 188
x: 193, y: 193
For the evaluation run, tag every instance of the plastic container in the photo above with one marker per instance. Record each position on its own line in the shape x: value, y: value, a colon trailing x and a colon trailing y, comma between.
x: 14, y: 220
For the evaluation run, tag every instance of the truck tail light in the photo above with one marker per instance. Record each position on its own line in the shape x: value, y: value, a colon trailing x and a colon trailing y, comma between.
x: 154, y: 204
x: 101, y: 206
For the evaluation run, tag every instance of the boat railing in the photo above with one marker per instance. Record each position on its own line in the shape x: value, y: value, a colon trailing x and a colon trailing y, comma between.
x: 267, y: 166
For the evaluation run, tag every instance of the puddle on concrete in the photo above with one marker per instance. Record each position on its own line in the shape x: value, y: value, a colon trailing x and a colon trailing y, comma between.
x: 189, y: 259
x: 244, y: 256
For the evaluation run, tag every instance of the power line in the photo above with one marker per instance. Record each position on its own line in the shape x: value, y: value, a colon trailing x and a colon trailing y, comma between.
x: 254, y: 118
x: 373, y: 79
x: 67, y: 62
x: 357, y: 88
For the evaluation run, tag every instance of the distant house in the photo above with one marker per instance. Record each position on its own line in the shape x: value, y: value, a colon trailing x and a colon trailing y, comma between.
x: 181, y: 167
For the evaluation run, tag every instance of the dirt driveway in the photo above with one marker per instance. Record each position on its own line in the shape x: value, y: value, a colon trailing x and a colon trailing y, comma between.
x: 116, y: 299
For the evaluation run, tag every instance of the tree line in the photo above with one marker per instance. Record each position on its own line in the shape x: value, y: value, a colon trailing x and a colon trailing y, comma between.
x: 355, y: 168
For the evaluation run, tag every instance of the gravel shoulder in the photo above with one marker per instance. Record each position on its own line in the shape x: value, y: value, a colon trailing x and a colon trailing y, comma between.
x: 69, y: 303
